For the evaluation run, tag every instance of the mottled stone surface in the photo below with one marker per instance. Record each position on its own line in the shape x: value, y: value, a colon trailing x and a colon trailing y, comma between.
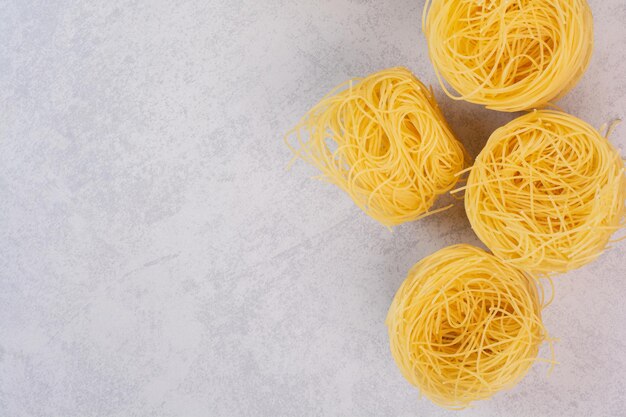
x: 156, y: 257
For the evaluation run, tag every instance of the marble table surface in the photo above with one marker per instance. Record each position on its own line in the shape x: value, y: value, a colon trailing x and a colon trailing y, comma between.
x: 157, y: 258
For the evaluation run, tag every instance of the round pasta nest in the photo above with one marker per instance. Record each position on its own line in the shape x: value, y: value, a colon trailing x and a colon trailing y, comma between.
x: 384, y: 141
x: 465, y: 325
x: 546, y: 192
x: 509, y: 55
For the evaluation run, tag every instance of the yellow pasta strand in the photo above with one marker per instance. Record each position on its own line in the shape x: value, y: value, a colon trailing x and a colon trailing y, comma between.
x: 465, y: 325
x: 384, y: 141
x: 546, y: 192
x: 509, y: 55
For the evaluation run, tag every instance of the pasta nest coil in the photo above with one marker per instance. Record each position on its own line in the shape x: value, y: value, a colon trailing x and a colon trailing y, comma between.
x: 546, y: 193
x: 509, y: 55
x: 384, y: 141
x: 465, y: 325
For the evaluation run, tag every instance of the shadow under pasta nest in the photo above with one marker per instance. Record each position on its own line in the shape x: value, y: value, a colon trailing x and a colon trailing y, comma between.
x: 471, y: 123
x: 420, y: 238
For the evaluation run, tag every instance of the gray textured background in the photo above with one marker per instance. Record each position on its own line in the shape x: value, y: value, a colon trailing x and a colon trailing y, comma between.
x: 156, y: 258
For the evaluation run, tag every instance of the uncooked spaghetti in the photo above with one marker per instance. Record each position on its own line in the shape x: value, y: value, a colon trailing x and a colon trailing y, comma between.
x: 509, y: 55
x: 546, y: 192
x: 384, y: 141
x: 465, y: 325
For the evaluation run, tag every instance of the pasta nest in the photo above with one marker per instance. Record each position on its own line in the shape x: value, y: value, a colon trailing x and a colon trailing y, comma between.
x: 546, y: 192
x: 465, y: 325
x: 509, y: 55
x: 384, y: 141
